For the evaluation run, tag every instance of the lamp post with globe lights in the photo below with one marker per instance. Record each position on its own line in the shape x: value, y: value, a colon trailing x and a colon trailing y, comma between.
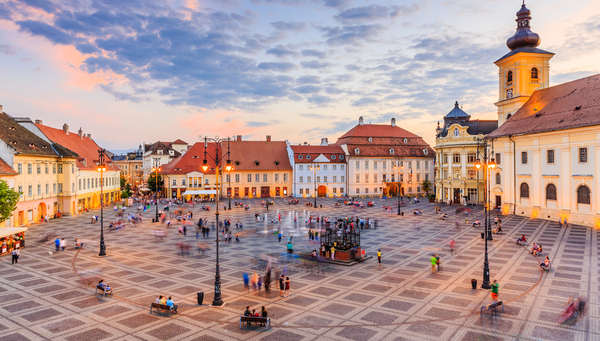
x: 488, y: 164
x: 101, y: 168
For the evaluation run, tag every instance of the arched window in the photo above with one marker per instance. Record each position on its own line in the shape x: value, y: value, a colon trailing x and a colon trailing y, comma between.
x: 550, y: 192
x: 583, y: 195
x: 456, y: 132
x: 524, y: 190
x: 534, y: 73
x: 509, y: 77
x: 498, y: 179
x: 508, y: 116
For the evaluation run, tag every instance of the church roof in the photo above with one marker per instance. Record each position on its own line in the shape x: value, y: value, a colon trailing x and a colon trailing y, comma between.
x: 566, y: 106
x: 456, y: 112
x: 527, y: 49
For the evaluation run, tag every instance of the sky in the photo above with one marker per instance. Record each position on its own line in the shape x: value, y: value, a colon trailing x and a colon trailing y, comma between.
x: 137, y: 71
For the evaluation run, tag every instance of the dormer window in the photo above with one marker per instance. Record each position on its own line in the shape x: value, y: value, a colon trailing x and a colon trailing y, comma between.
x: 405, y: 140
x: 308, y: 157
x: 171, y: 152
x: 534, y: 73
x: 160, y: 151
x: 370, y: 139
x: 237, y: 163
x: 391, y: 150
x: 300, y: 157
x: 456, y: 132
x: 356, y: 151
x: 509, y: 77
x: 425, y: 151
x: 333, y: 157
x: 341, y: 157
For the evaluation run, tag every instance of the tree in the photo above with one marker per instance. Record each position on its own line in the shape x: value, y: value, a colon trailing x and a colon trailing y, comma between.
x: 426, y: 185
x: 123, y: 181
x: 126, y: 193
x: 9, y: 198
x: 152, y: 182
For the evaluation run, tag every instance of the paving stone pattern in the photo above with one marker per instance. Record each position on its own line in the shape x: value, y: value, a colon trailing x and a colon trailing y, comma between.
x: 43, y: 298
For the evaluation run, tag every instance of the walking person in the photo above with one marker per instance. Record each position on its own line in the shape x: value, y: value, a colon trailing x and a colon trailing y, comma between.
x: 287, y: 287
x: 281, y: 285
x: 452, y: 244
x: 433, y: 264
x: 57, y: 244
x: 268, y: 281
x: 63, y: 244
x: 15, y: 256
x: 184, y: 231
x: 246, y: 282
x: 379, y: 257
x: 279, y: 235
x: 495, y: 287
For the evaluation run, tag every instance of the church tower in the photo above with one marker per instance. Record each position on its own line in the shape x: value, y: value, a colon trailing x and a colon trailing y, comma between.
x: 523, y: 70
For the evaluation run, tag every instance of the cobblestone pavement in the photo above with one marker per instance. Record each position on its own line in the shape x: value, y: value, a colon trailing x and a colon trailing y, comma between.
x: 44, y: 298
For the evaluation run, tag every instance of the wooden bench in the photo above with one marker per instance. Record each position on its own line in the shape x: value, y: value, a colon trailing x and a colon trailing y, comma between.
x: 158, y: 306
x: 491, y: 309
x: 104, y: 293
x: 255, y: 319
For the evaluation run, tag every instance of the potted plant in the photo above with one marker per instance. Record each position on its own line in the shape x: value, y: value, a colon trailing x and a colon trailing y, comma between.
x: 432, y: 198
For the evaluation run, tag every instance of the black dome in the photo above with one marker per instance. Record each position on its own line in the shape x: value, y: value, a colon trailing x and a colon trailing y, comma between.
x: 523, y: 37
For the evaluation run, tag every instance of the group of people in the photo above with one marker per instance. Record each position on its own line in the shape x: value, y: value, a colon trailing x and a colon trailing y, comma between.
x: 253, y: 313
x: 575, y: 307
x: 166, y: 301
x: 536, y: 249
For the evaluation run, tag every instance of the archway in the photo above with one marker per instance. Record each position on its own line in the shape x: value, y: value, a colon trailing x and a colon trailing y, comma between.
x: 41, y: 212
x: 95, y: 200
x: 393, y: 190
x: 322, y: 191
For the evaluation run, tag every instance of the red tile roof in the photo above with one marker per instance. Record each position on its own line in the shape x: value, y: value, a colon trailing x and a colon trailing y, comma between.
x: 315, y: 151
x: 178, y: 141
x: 378, y: 130
x: 26, y: 142
x: 84, y: 146
x: 259, y: 155
x: 565, y: 106
x: 164, y: 146
x: 5, y: 169
x: 192, y: 160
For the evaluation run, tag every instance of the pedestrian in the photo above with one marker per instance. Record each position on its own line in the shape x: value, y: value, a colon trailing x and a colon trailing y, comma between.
x: 281, y: 285
x: 495, y: 287
x: 279, y: 235
x: 63, y: 244
x: 452, y: 246
x: 268, y: 281
x: 433, y: 264
x: 332, y: 252
x: 379, y: 256
x: 15, y: 255
x: 57, y: 244
x: 184, y: 230
x: 246, y: 282
x: 287, y: 287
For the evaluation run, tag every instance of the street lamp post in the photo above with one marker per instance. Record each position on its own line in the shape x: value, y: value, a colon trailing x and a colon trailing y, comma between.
x: 488, y: 164
x: 102, y: 169
x: 315, y: 168
x: 217, y: 300
x: 156, y: 169
x: 399, y: 194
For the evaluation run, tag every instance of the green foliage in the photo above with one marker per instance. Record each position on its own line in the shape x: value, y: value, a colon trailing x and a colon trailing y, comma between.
x: 8, y: 199
x: 152, y: 182
x: 126, y: 193
x: 123, y: 181
x: 426, y: 186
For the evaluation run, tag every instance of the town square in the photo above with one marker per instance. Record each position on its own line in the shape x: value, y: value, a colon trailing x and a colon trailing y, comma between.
x: 299, y: 170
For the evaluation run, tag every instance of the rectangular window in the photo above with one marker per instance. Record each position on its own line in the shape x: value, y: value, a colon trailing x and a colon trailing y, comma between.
x: 401, y: 177
x: 72, y: 169
x: 375, y: 164
x: 343, y: 167
x: 524, y: 158
x: 418, y: 177
x: 445, y: 174
x: 30, y: 190
x: 60, y: 188
x: 227, y: 177
x: 73, y: 187
x: 583, y: 155
x: 38, y: 168
x: 307, y: 191
x: 174, y: 182
x: 366, y: 191
x: 334, y: 178
x: 39, y: 189
x: 285, y: 178
x: 334, y: 190
x: 358, y: 191
x: 249, y: 177
x: 409, y: 189
x: 300, y: 167
x: 29, y: 168
x: 418, y: 164
x: 409, y: 165
x: 325, y: 179
x: 301, y: 179
x: 80, y: 184
x: 308, y: 179
x: 88, y: 184
x: 47, y: 189
x: 366, y: 178
x: 418, y: 188
x: 257, y: 178
x: 384, y: 164
x: 357, y: 178
x: 324, y: 167
x: 456, y: 174
x: 357, y: 165
x: 393, y: 177
x: 471, y: 157
x: 54, y: 188
x: 375, y: 178
x: 246, y: 191
x: 550, y: 156
x: 183, y: 182
x: 471, y: 174
x: 60, y: 168
x: 21, y: 190
x: 237, y: 178
x: 426, y: 177
x: 265, y: 178
x: 334, y: 167
x: 456, y: 158
x: 366, y: 164
x: 341, y: 190
x: 318, y: 178
x: 301, y: 191
x: 343, y: 177
x: 54, y: 168
x: 20, y: 168
x: 276, y: 176
x: 384, y: 177
x: 498, y: 158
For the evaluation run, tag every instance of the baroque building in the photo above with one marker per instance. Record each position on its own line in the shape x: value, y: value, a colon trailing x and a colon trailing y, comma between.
x: 456, y: 144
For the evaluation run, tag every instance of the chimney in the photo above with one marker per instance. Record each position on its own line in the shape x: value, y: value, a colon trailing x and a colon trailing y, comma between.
x: 80, y: 133
x: 36, y: 121
x: 393, y: 122
x: 66, y: 128
x: 89, y: 136
x: 268, y: 138
x: 360, y: 121
x: 1, y: 109
x: 239, y: 138
x: 324, y: 142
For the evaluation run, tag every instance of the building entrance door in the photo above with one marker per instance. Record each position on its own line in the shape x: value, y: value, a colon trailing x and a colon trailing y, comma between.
x: 264, y: 192
x: 498, y: 201
x: 456, y: 197
x: 322, y: 191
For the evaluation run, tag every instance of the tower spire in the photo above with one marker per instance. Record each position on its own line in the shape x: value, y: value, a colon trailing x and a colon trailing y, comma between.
x: 523, y: 37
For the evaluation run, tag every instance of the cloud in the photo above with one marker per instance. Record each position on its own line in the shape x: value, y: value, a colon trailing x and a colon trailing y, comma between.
x: 44, y: 5
x: 281, y: 67
x: 358, y: 15
x: 256, y: 124
x: 361, y: 102
x: 121, y: 96
x: 38, y: 28
x: 313, y: 53
x: 320, y: 100
x: 5, y: 11
x: 349, y: 35
x: 317, y: 116
x: 289, y: 26
x: 307, y: 89
x: 570, y: 76
x: 8, y: 50
x: 309, y: 80
x: 281, y: 51
x: 315, y: 64
x: 336, y: 3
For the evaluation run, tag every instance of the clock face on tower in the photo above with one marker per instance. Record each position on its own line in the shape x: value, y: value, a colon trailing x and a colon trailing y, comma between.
x: 509, y: 93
